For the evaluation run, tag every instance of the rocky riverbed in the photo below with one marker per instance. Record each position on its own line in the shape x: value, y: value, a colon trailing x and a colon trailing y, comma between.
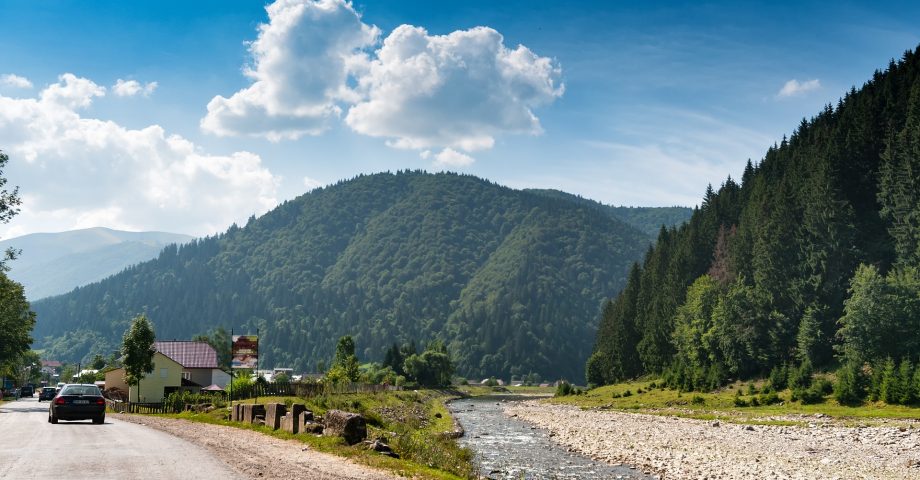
x: 681, y: 448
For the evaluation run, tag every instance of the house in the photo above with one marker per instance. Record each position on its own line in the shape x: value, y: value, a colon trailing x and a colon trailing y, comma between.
x: 177, y: 365
x: 165, y: 378
x: 198, y: 360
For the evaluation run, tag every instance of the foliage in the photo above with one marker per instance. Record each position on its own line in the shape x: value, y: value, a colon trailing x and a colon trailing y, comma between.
x: 850, y: 388
x: 16, y: 322
x: 814, y: 252
x: 345, y: 366
x: 433, y: 368
x: 510, y: 280
x: 9, y: 207
x: 565, y: 388
x: 220, y: 340
x: 138, y: 349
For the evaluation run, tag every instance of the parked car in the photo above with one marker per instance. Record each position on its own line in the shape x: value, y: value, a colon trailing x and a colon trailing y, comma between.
x: 26, y: 391
x: 78, y: 402
x: 47, y: 393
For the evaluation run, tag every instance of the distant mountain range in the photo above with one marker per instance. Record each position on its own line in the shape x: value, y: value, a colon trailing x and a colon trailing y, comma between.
x: 510, y: 280
x: 56, y: 263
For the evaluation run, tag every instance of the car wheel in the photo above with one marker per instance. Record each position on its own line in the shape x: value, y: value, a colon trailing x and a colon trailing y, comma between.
x: 52, y: 418
x: 99, y: 419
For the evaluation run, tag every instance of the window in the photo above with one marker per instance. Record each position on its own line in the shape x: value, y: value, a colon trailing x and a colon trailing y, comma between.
x: 164, y: 372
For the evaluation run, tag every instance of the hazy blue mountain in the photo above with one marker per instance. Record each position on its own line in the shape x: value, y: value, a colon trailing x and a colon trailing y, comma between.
x: 56, y: 263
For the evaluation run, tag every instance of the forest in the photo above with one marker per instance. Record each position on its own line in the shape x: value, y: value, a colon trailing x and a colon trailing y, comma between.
x: 810, y: 259
x: 510, y: 281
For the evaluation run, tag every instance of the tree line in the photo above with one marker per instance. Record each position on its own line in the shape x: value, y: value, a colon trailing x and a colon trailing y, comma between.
x: 810, y: 259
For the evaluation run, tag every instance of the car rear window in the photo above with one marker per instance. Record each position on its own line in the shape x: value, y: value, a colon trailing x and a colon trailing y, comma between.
x: 80, y: 390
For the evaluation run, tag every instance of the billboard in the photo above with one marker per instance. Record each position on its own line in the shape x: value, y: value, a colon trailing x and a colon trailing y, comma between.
x: 245, y: 352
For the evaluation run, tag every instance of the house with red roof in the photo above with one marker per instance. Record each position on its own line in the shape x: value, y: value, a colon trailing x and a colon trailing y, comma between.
x: 198, y: 360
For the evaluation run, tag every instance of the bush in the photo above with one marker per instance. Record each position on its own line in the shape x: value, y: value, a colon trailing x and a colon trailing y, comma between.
x: 564, y: 389
x: 770, y: 398
x: 740, y: 402
x: 627, y: 393
x: 751, y: 389
x: 698, y: 400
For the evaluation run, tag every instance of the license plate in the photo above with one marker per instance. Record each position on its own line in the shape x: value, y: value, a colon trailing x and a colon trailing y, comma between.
x: 81, y: 402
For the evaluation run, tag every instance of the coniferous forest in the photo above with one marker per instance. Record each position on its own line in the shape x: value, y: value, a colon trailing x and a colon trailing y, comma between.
x: 809, y: 260
x: 509, y: 280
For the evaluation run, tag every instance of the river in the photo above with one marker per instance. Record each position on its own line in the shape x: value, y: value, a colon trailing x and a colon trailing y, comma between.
x: 508, y: 448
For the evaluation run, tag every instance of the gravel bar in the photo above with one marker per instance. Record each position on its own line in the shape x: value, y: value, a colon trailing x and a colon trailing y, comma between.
x: 681, y: 448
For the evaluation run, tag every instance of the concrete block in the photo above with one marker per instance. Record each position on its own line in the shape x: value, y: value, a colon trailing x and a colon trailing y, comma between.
x: 273, y: 414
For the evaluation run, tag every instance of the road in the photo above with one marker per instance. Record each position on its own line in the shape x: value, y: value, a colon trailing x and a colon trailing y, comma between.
x: 30, y: 447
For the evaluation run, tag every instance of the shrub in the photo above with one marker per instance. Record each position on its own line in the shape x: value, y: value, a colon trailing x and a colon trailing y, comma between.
x: 698, y: 400
x: 740, y: 402
x: 564, y: 389
x: 751, y: 389
x: 627, y: 393
x: 769, y: 398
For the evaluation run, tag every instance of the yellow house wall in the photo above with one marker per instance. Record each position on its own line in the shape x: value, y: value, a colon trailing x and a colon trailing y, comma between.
x: 116, y: 379
x: 166, y: 373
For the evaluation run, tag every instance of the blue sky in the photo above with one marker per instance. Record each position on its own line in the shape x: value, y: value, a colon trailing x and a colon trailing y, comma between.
x: 628, y: 103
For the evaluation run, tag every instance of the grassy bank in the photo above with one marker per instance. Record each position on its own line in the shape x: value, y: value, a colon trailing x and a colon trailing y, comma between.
x: 412, y: 423
x: 649, y: 397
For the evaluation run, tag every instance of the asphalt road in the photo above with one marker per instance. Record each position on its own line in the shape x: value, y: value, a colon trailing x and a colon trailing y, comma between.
x: 30, y: 447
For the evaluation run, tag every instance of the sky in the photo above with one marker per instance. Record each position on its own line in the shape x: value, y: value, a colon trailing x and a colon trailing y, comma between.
x: 188, y: 116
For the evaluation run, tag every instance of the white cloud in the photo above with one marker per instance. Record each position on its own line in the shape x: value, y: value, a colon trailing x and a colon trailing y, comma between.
x: 75, y: 172
x: 419, y: 91
x: 794, y: 88
x: 449, y: 158
x: 311, y: 183
x: 13, y: 80
x: 302, y: 59
x: 130, y: 88
x: 453, y: 91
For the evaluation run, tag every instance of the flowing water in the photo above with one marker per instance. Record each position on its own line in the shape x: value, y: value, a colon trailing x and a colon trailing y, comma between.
x: 508, y: 448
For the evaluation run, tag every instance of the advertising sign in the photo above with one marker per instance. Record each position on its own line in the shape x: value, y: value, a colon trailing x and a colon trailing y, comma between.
x: 245, y: 352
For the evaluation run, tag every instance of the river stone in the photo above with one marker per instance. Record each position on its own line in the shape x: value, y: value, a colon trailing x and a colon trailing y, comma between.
x: 350, y: 426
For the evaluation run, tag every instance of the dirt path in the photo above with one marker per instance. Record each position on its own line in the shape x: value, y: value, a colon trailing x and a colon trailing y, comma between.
x: 686, y: 448
x: 260, y: 456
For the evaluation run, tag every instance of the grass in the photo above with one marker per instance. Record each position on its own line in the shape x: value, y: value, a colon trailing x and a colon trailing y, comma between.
x: 641, y: 396
x: 411, y: 422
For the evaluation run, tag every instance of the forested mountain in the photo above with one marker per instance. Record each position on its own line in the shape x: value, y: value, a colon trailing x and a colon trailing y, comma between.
x: 55, y: 263
x: 646, y: 219
x: 812, y: 257
x: 510, y: 280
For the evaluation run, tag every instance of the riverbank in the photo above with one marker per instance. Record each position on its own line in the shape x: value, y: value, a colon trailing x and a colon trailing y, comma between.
x: 676, y: 447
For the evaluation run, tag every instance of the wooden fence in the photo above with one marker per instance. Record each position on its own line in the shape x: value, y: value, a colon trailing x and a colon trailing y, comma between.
x: 305, y: 390
x: 132, y: 407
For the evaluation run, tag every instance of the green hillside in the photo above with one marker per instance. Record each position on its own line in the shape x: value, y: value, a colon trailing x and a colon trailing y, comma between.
x: 811, y: 259
x: 510, y: 280
x: 645, y: 219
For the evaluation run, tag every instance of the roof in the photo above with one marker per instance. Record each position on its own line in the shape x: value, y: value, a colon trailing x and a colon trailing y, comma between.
x: 213, y: 388
x: 51, y: 363
x: 189, y: 354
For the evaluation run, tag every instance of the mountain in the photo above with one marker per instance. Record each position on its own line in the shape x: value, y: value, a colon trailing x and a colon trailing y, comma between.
x: 814, y: 256
x: 646, y: 219
x: 510, y: 280
x: 55, y: 263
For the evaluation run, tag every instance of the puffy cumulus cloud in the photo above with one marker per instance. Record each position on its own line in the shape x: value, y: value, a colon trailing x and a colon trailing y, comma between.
x: 77, y: 172
x: 130, y: 88
x: 13, y: 80
x: 302, y: 60
x: 71, y: 92
x: 448, y: 158
x: 794, y: 88
x: 455, y: 91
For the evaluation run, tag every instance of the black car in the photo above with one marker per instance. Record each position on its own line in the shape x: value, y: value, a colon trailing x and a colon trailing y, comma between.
x: 78, y: 402
x: 27, y: 391
x: 47, y: 393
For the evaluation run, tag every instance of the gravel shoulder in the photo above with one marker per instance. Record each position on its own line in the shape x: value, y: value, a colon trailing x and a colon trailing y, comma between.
x: 675, y: 447
x: 259, y: 456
